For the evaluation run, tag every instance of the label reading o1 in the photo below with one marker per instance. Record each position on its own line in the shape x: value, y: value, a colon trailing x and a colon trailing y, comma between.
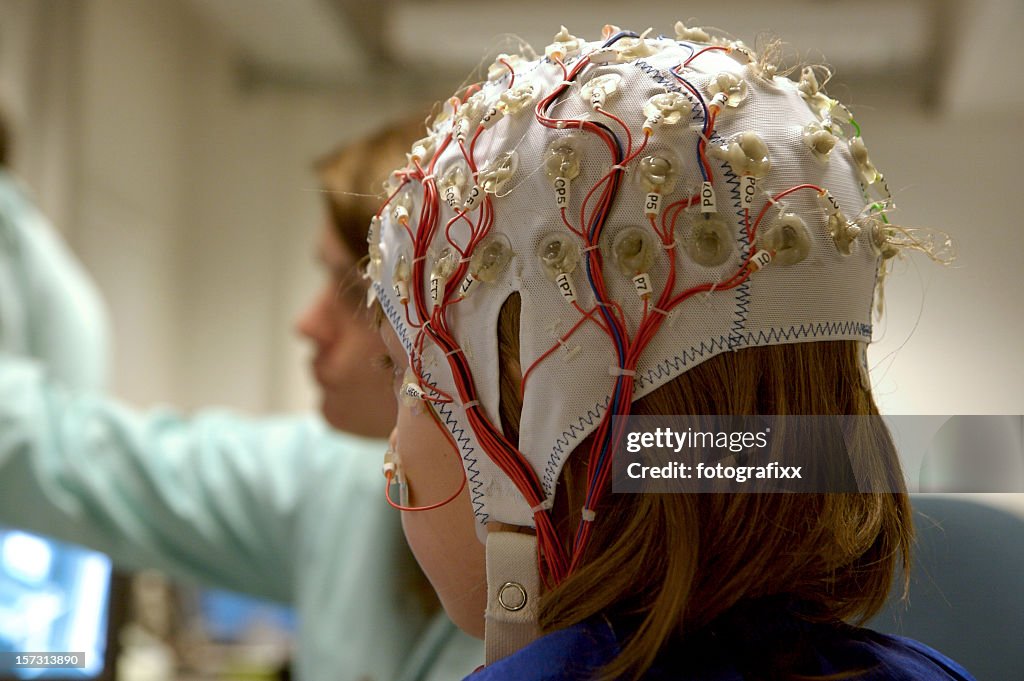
x: 402, y: 291
x: 642, y: 284
x: 561, y: 192
x: 474, y: 197
x: 652, y: 204
x: 761, y: 259
x: 565, y: 287
x: 492, y: 116
x: 748, y: 187
x: 707, y: 199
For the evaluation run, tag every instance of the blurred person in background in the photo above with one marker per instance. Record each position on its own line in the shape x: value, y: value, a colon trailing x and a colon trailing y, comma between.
x: 283, y: 508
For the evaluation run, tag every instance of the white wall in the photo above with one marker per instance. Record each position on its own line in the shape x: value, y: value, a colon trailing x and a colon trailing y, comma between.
x: 956, y: 332
x: 39, y: 49
x: 190, y: 199
x: 131, y: 169
x: 254, y: 210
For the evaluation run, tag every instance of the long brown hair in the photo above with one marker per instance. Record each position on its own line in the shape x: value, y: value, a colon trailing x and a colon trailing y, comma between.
x: 674, y: 563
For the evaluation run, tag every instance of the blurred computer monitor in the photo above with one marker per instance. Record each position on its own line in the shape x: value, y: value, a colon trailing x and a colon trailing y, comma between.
x: 230, y: 617
x: 57, y: 597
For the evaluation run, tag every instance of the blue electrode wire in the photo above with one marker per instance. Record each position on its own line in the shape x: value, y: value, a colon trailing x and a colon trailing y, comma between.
x: 599, y: 219
x: 616, y: 397
x: 594, y: 227
x: 691, y: 48
x: 707, y: 116
x: 617, y: 394
x: 619, y: 36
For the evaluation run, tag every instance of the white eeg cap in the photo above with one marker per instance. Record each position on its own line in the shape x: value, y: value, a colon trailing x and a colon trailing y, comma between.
x: 812, y: 266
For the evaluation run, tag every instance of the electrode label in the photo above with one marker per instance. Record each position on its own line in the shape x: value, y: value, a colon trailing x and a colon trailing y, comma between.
x: 561, y: 192
x: 492, y: 116
x: 466, y: 286
x: 474, y: 198
x: 830, y: 200
x: 436, y: 286
x: 652, y: 204
x: 452, y: 197
x: 760, y: 259
x: 565, y: 287
x: 642, y: 284
x: 748, y: 187
x: 708, y: 203
x: 402, y: 291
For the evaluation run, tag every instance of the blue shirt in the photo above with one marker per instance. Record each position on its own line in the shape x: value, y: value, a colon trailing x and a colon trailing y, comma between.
x: 577, y: 653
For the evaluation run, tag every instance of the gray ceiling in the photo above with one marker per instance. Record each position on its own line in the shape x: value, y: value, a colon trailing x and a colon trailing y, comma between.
x: 922, y: 45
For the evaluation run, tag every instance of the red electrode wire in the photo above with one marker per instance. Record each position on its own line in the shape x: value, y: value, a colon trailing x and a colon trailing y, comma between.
x: 710, y: 48
x: 511, y: 71
x: 606, y: 314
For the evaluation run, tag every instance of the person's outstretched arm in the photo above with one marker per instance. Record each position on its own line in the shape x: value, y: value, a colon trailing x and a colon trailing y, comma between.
x: 49, y: 306
x: 217, y: 498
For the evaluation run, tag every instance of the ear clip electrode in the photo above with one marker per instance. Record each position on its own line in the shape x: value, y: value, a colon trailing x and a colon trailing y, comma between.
x: 394, y: 475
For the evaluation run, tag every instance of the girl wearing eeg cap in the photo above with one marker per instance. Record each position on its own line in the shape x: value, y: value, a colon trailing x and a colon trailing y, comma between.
x: 640, y: 226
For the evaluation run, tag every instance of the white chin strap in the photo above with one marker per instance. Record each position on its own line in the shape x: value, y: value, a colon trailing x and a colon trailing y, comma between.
x: 513, y: 594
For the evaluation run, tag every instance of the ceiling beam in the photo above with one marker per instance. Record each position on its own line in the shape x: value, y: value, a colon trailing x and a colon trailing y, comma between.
x: 367, y: 22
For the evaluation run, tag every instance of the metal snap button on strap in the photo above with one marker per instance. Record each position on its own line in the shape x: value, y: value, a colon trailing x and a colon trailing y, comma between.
x: 512, y: 596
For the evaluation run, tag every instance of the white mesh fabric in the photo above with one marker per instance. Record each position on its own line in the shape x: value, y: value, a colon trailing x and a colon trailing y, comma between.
x: 826, y: 296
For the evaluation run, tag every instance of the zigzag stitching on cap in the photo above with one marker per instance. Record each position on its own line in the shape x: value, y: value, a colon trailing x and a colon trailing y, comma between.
x: 743, y: 290
x: 562, y: 442
x: 809, y: 331
x: 445, y: 410
x: 742, y: 310
x: 661, y: 370
x: 391, y: 312
x: 671, y: 366
x: 459, y: 434
x: 658, y: 76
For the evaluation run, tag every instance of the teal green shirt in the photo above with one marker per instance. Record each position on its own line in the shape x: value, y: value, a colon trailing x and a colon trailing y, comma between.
x: 281, y: 508
x: 49, y: 308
